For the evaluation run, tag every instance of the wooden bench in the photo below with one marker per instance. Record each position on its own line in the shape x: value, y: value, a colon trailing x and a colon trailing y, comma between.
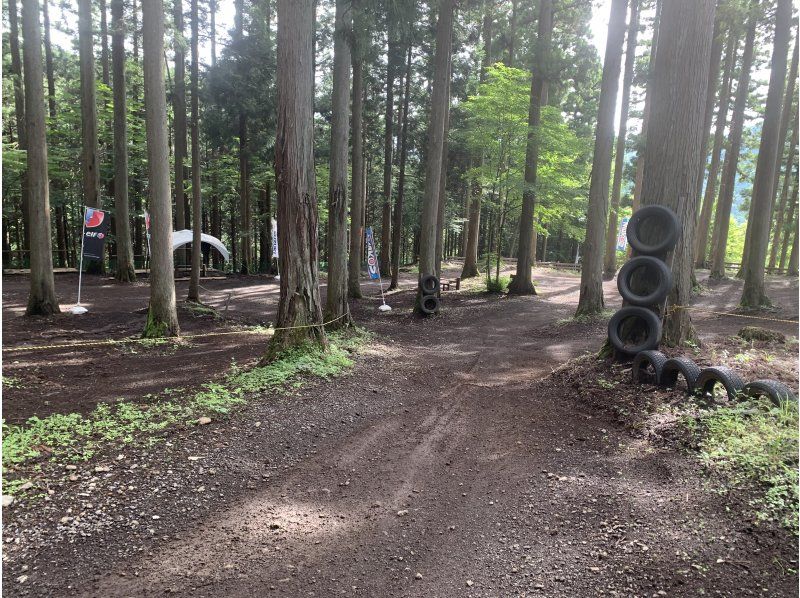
x: 446, y: 284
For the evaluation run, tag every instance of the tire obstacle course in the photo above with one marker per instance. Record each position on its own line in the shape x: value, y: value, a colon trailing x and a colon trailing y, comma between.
x: 429, y: 294
x: 653, y: 367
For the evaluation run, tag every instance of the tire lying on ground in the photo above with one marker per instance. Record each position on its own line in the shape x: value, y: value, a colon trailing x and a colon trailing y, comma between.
x: 429, y: 304
x: 668, y: 224
x: 429, y: 284
x: 643, y: 359
x: 710, y: 377
x: 677, y: 366
x: 652, y: 325
x: 654, y: 266
x: 775, y: 391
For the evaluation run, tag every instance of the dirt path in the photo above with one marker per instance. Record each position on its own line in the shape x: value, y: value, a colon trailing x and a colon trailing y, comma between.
x: 439, y: 467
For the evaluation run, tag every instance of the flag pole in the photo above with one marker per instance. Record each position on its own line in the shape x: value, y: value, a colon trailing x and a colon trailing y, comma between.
x: 77, y: 308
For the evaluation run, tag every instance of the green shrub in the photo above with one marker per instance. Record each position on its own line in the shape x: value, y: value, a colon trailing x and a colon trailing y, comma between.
x: 499, y: 285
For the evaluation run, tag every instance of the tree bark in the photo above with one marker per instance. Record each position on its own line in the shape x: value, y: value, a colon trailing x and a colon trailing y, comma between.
x: 48, y: 61
x: 591, y: 293
x: 19, y: 112
x: 125, y: 268
x: 523, y: 283
x: 648, y: 98
x: 704, y: 223
x: 754, y: 294
x: 104, y: 44
x: 91, y: 180
x: 388, y: 136
x: 441, y: 201
x: 179, y: 122
x: 792, y: 267
x: 357, y: 197
x: 470, y: 269
x: 674, y: 154
x: 436, y: 133
x: 791, y: 223
x: 299, y: 309
x: 719, y: 239
x: 42, y: 297
x: 782, y: 205
x: 397, y: 225
x: 245, y: 221
x: 337, y: 309
x: 162, y: 317
x: 197, y: 210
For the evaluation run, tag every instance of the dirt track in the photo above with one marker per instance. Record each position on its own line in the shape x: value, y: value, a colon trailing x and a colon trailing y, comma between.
x: 439, y: 467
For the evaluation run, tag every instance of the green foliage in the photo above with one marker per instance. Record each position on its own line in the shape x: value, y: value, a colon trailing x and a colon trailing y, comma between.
x: 754, y: 445
x: 498, y: 285
x: 76, y: 437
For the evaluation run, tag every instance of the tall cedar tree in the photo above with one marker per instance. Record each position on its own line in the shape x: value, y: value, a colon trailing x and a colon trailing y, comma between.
x: 42, y: 298
x: 436, y: 133
x: 780, y: 217
x: 674, y: 154
x: 179, y: 120
x: 704, y: 222
x: 722, y: 215
x: 336, y: 307
x: 299, y: 318
x: 522, y: 283
x: 197, y: 215
x: 245, y: 224
x: 392, y: 59
x: 19, y: 112
x: 89, y: 164
x: 754, y: 294
x: 591, y: 295
x: 162, y: 317
x: 125, y: 270
x: 610, y: 257
x: 357, y: 195
x: 397, y: 224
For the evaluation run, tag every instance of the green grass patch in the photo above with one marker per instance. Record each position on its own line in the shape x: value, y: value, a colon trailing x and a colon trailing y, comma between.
x: 74, y: 437
x: 11, y: 382
x: 753, y: 445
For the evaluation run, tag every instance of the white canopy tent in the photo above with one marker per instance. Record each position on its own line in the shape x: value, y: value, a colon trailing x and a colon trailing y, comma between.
x: 184, y: 237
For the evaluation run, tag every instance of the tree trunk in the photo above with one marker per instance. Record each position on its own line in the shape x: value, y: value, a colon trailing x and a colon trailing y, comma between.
x: 610, y: 256
x: 179, y: 123
x: 299, y: 309
x: 125, y: 268
x: 674, y: 154
x: 104, y: 44
x: 523, y: 283
x: 197, y: 210
x: 754, y: 294
x: 648, y: 97
x: 391, y: 68
x: 397, y: 225
x: 162, y: 318
x: 42, y: 297
x: 787, y: 179
x: 436, y: 133
x: 245, y: 224
x: 357, y: 197
x: 471, y: 250
x: 48, y: 60
x: 337, y: 309
x: 719, y: 239
x: 91, y: 181
x: 441, y: 202
x: 591, y: 294
x: 791, y: 223
x: 704, y: 223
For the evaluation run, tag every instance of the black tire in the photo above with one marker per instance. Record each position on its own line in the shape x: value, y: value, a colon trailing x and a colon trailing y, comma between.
x: 680, y: 365
x: 429, y: 284
x: 640, y: 363
x: 651, y: 263
x: 710, y: 377
x: 775, y: 391
x: 429, y: 304
x: 650, y: 319
x: 671, y: 225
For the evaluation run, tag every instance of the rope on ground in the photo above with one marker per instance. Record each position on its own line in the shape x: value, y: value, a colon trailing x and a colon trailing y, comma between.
x: 124, y: 341
x: 728, y: 313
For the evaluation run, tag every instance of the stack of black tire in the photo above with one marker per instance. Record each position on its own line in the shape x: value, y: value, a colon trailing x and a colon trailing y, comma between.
x: 640, y: 305
x: 429, y: 294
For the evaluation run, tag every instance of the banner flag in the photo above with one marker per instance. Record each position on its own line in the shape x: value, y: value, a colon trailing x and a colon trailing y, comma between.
x: 96, y: 225
x: 622, y: 236
x: 372, y: 256
x: 147, y: 229
x: 274, y: 239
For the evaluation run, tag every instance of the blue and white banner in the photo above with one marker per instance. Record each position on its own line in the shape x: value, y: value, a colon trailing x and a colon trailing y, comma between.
x: 372, y: 256
x: 274, y: 239
x: 622, y: 236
